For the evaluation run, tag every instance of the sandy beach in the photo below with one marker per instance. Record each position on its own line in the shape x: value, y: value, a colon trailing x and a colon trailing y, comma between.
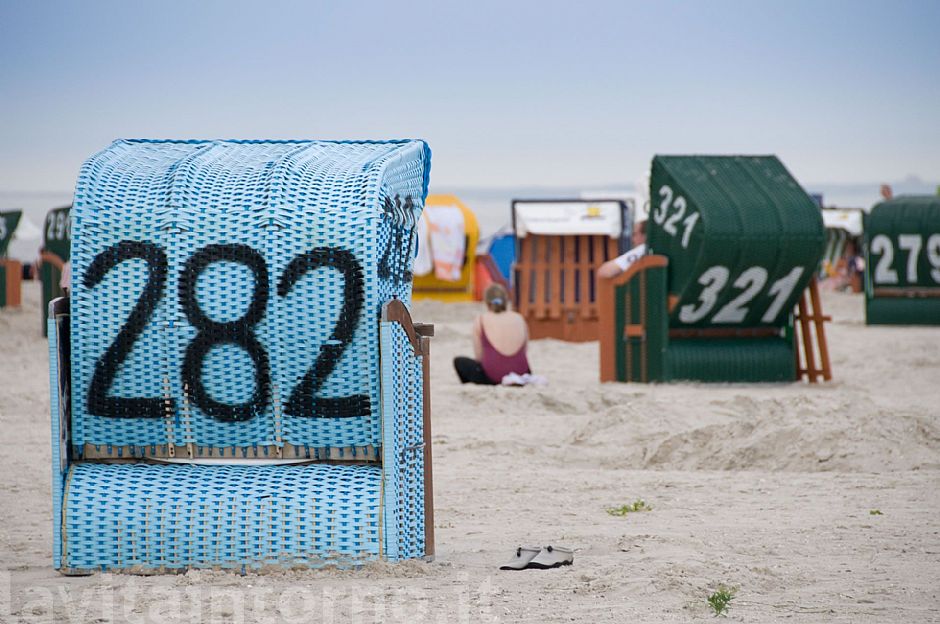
x: 817, y: 503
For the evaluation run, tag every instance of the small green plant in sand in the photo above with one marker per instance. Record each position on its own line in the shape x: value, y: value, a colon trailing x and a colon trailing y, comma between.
x: 875, y: 512
x: 637, y: 506
x: 720, y: 601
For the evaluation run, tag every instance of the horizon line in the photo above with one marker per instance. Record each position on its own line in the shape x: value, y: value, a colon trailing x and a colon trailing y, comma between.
x: 612, y: 186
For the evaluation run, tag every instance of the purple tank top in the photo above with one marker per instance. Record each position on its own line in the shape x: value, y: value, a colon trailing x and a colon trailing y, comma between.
x: 496, y: 365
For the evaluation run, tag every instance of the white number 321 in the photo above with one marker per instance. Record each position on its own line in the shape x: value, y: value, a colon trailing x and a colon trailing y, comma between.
x: 750, y: 283
x: 670, y: 224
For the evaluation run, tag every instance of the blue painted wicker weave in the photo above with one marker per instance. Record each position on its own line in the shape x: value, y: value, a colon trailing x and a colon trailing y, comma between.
x: 211, y: 281
x: 404, y: 486
x: 175, y: 516
x: 280, y: 199
x: 58, y: 475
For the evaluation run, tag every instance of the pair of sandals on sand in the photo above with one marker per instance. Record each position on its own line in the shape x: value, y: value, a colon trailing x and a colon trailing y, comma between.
x: 534, y: 558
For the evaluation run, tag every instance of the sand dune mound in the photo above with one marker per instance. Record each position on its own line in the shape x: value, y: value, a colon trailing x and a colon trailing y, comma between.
x: 746, y: 433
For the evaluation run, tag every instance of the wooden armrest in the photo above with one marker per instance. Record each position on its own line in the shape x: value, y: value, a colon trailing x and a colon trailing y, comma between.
x: 53, y: 259
x: 396, y: 311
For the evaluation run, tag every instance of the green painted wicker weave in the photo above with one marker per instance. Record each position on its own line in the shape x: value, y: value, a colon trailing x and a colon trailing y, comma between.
x: 742, y: 240
x: 3, y: 286
x: 9, y: 220
x: 56, y: 250
x: 902, y: 268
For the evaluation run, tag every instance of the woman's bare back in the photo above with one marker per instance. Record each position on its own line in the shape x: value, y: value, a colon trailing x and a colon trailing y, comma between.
x: 506, y: 331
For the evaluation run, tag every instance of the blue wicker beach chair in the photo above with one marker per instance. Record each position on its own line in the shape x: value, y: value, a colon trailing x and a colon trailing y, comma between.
x: 236, y: 379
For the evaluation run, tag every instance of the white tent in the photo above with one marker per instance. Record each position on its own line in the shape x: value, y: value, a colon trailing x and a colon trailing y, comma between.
x: 26, y: 241
x: 27, y: 230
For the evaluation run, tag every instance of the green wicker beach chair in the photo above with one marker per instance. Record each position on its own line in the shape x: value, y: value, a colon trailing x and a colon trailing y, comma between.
x: 55, y: 252
x: 734, y: 242
x: 11, y: 271
x: 902, y: 268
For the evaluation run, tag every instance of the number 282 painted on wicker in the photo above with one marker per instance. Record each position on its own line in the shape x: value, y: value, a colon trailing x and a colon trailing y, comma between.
x: 303, y: 399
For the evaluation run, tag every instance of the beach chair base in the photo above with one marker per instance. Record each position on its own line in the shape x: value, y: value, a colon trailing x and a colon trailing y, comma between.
x: 637, y: 343
x: 144, y: 516
x: 158, y: 516
x: 903, y: 307
x: 730, y: 360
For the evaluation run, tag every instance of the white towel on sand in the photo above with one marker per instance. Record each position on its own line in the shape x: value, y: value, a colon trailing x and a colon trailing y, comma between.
x: 515, y: 379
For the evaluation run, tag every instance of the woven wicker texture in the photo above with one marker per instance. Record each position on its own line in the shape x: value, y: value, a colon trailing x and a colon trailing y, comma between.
x: 735, y: 212
x: 3, y: 286
x: 225, y: 292
x: 403, y: 410
x: 913, y: 216
x: 172, y: 516
x: 9, y: 220
x: 901, y: 288
x: 902, y: 311
x: 58, y: 475
x: 57, y: 232
x: 144, y: 516
x: 56, y: 240
x: 643, y: 357
x: 732, y: 360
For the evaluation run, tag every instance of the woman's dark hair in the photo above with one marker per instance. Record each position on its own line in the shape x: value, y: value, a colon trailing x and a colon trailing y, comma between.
x: 496, y: 298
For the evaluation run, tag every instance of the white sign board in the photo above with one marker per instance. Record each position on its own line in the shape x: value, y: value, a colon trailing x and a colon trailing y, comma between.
x: 849, y: 220
x: 568, y: 217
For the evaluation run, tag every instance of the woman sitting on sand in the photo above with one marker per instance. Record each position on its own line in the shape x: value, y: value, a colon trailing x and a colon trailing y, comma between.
x: 499, y: 342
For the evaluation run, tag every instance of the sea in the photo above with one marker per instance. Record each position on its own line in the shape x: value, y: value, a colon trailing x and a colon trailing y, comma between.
x: 492, y: 205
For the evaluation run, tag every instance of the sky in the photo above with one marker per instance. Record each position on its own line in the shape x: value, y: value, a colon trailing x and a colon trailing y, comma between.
x: 508, y: 94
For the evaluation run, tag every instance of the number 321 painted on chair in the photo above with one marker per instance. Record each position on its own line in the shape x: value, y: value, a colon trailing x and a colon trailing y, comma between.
x: 670, y: 224
x: 751, y: 281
